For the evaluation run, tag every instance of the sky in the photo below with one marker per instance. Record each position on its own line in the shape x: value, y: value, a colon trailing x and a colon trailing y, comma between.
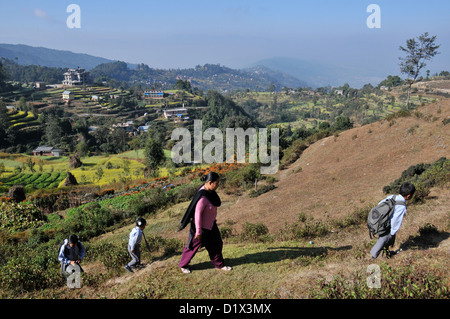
x: 234, y: 33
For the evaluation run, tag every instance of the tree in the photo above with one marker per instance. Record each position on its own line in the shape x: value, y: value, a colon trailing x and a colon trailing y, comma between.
x: 3, y: 76
x: 417, y: 52
x: 183, y: 85
x: 4, y: 125
x: 154, y: 154
x: 343, y: 123
x: 391, y: 81
x: 30, y: 164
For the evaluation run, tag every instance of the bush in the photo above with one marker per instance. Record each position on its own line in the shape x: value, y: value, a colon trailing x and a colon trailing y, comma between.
x: 424, y: 177
x: 148, y: 202
x: 88, y: 221
x: 166, y: 246
x: 263, y: 189
x: 26, y: 272
x: 255, y: 232
x: 16, y: 217
x: 402, y: 283
x: 185, y: 192
x: 308, y: 229
x: 293, y: 152
x: 114, y: 257
x: 243, y: 177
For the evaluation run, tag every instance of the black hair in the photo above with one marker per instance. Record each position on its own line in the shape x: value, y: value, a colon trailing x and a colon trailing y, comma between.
x: 407, y: 189
x: 210, y: 177
x: 73, y: 239
x: 141, y: 221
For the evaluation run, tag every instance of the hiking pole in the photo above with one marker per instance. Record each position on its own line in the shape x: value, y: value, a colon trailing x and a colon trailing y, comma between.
x: 146, y: 243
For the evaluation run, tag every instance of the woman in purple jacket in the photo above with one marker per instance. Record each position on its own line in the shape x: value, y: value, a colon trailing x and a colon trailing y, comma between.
x: 204, y: 231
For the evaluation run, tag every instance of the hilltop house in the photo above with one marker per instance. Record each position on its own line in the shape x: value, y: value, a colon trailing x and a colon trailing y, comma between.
x: 76, y: 77
x: 48, y: 151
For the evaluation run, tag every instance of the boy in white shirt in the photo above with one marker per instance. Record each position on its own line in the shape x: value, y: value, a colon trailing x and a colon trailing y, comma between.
x: 134, y: 244
x: 386, y: 240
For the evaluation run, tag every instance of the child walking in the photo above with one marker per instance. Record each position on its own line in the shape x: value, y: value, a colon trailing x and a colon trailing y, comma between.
x: 134, y: 244
x: 387, y: 239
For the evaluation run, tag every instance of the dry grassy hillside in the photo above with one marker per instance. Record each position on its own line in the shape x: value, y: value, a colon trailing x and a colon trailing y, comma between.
x: 333, y: 177
x: 339, y: 174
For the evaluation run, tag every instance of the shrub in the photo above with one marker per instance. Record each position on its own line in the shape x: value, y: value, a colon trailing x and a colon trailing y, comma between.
x: 293, y: 152
x: 185, y: 192
x: 16, y: 217
x: 166, y: 246
x: 27, y: 272
x: 255, y: 232
x: 402, y: 283
x: 243, y: 177
x: 356, y: 218
x: 261, y: 190
x: 308, y: 229
x: 148, y: 202
x: 423, y: 176
x: 114, y: 257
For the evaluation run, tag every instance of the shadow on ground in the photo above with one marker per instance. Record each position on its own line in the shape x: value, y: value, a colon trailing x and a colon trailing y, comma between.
x: 274, y: 254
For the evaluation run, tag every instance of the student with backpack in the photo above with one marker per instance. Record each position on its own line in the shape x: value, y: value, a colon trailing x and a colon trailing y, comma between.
x: 385, y: 219
x: 71, y: 252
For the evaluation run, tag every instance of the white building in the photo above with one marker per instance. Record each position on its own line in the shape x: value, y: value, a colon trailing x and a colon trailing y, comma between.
x: 76, y: 77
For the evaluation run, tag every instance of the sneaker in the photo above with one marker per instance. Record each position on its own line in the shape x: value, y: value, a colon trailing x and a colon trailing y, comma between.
x: 127, y: 268
x: 225, y: 268
x: 185, y: 270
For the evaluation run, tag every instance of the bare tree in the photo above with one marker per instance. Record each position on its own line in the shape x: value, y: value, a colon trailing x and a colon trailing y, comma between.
x: 417, y: 52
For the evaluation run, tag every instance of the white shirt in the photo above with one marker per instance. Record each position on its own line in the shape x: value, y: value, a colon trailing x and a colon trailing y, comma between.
x: 399, y: 213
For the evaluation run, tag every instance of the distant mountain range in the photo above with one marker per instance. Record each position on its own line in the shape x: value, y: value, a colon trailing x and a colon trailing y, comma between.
x: 279, y: 71
x: 28, y: 55
x: 323, y: 74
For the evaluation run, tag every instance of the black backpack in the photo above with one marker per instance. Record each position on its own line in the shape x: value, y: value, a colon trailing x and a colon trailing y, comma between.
x: 379, y: 219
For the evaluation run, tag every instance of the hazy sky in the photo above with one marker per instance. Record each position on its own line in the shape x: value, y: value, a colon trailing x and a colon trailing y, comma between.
x: 181, y: 33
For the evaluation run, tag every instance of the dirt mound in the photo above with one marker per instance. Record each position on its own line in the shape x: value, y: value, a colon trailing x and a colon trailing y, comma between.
x: 340, y: 174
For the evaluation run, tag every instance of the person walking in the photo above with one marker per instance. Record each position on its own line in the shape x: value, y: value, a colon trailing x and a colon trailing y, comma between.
x: 387, y: 239
x: 201, y: 214
x: 134, y: 245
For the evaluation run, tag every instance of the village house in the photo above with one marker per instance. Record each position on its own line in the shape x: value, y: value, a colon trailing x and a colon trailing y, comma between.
x: 67, y: 95
x: 154, y: 95
x: 40, y: 85
x: 76, y: 77
x: 48, y: 151
x: 127, y: 126
x: 179, y: 112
